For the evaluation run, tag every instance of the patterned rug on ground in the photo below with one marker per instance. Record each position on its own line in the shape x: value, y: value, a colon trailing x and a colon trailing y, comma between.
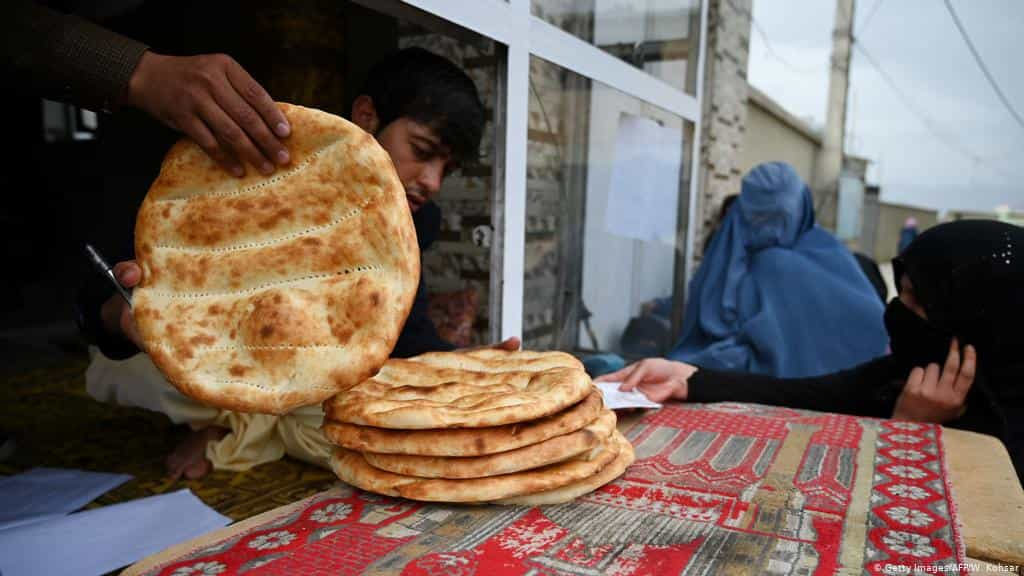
x: 716, y: 489
x: 57, y: 424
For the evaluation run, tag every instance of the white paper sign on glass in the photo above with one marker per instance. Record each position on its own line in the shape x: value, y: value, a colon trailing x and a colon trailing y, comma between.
x: 644, y: 191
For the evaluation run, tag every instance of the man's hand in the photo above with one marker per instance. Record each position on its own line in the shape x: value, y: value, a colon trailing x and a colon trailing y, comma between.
x: 213, y: 100
x: 509, y: 344
x: 657, y: 378
x: 929, y: 396
x: 115, y: 312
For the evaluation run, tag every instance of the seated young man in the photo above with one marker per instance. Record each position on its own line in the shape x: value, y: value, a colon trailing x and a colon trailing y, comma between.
x: 426, y: 114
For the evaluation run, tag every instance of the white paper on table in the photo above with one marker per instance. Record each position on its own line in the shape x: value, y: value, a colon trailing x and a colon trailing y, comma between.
x: 44, y: 493
x: 98, y: 541
x: 644, y: 191
x: 615, y: 399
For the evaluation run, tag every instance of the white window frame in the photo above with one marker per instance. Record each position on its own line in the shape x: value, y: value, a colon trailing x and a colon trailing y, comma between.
x: 510, y: 23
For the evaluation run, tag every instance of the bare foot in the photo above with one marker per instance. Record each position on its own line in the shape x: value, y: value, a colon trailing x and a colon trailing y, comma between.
x: 189, y: 456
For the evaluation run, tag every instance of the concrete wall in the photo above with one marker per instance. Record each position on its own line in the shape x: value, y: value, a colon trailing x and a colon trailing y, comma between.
x: 771, y: 136
x: 890, y: 222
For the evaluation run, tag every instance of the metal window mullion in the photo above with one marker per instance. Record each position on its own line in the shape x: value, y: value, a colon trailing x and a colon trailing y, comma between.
x: 517, y: 77
x: 494, y: 19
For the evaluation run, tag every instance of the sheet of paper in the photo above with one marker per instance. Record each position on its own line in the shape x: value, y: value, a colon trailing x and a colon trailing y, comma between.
x: 616, y: 399
x: 98, y: 541
x: 43, y: 493
x: 644, y: 191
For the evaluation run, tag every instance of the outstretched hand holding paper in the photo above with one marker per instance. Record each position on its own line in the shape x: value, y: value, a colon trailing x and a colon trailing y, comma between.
x: 616, y: 399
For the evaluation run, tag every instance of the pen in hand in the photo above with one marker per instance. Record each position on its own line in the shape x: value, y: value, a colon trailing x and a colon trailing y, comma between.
x: 100, y: 264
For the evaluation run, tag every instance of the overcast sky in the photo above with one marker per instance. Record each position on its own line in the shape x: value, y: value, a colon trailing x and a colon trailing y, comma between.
x: 917, y: 44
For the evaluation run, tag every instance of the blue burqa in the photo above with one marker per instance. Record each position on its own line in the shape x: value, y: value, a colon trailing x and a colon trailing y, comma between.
x: 776, y: 294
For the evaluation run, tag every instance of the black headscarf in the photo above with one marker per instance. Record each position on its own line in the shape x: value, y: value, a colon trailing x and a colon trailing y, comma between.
x: 968, y: 276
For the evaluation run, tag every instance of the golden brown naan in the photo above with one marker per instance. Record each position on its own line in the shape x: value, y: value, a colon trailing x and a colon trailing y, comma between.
x: 543, y: 453
x: 574, y: 490
x: 262, y: 294
x: 414, y: 395
x: 464, y: 441
x: 497, y: 361
x: 353, y: 468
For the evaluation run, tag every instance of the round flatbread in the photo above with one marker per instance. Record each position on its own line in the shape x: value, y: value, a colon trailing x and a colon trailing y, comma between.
x: 353, y: 468
x: 414, y: 395
x: 550, y: 451
x: 497, y: 361
x: 464, y: 441
x: 265, y: 293
x: 570, y: 492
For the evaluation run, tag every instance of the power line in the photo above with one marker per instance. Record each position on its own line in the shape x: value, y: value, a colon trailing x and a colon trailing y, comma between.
x: 768, y: 44
x: 771, y: 52
x: 981, y: 64
x: 867, y: 19
x: 910, y: 104
x: 951, y: 142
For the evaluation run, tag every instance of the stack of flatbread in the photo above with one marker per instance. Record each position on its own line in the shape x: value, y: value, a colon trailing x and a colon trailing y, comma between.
x: 482, y: 426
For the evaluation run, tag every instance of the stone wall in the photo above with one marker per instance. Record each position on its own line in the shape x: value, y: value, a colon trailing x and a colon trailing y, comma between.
x: 550, y: 211
x: 724, y: 108
x: 546, y: 189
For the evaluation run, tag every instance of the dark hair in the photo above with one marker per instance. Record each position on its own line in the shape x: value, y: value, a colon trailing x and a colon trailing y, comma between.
x: 433, y: 91
x: 726, y: 204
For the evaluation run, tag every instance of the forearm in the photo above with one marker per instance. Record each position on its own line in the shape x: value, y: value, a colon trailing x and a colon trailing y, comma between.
x: 864, y: 390
x: 89, y: 304
x: 68, y: 58
x: 418, y: 336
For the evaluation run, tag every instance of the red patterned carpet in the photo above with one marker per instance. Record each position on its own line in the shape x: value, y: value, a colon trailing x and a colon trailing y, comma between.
x: 719, y: 489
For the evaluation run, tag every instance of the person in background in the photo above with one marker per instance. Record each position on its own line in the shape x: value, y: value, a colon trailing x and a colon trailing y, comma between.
x: 955, y: 333
x: 727, y: 203
x: 907, y: 234
x: 425, y: 112
x: 776, y: 294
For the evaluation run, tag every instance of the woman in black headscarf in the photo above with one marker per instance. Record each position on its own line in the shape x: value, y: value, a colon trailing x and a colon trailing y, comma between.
x: 957, y: 338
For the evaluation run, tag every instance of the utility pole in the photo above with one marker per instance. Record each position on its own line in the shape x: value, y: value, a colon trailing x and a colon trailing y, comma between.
x: 829, y: 163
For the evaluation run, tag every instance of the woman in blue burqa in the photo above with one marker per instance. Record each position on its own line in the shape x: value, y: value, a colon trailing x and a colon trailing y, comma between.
x: 776, y: 294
